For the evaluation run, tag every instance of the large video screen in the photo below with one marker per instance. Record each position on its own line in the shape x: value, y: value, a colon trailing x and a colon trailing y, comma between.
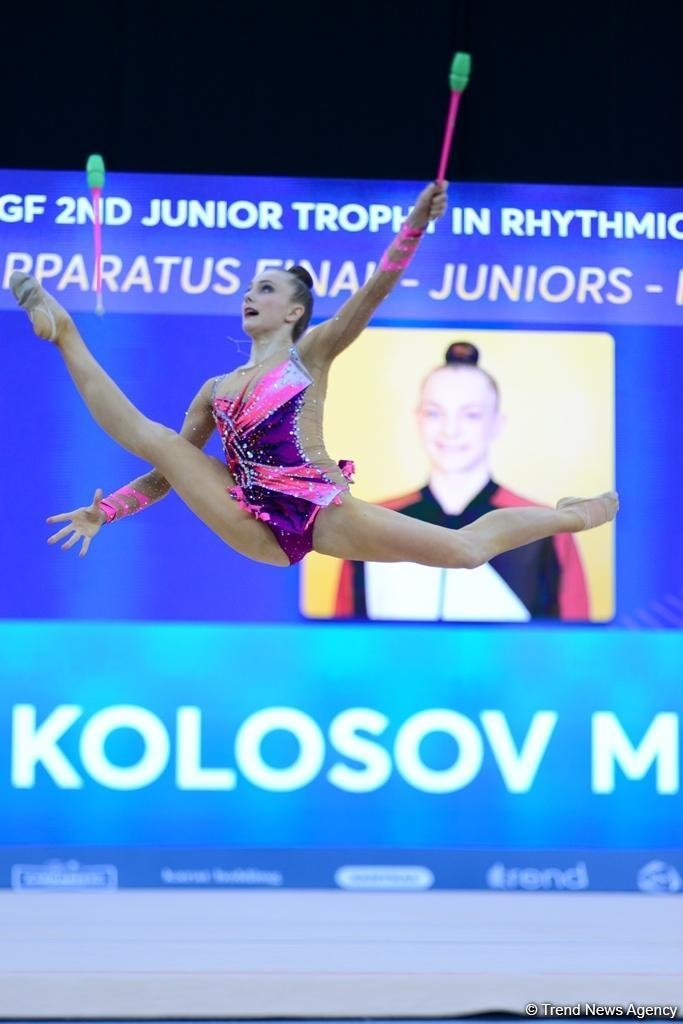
x: 175, y: 714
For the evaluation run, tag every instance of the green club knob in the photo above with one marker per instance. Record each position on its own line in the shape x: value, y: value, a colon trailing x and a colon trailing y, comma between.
x: 460, y: 72
x: 95, y: 170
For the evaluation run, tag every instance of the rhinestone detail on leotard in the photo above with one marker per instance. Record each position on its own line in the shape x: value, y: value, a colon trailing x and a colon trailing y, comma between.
x: 259, y: 430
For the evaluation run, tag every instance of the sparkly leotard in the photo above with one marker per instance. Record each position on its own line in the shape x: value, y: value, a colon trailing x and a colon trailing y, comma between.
x: 267, y: 430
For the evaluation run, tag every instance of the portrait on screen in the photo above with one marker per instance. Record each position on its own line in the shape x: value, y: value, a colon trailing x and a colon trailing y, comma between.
x: 453, y: 425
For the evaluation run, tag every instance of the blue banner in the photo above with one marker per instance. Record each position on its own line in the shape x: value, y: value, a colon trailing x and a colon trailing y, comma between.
x: 530, y: 253
x: 160, y: 358
x: 331, y: 737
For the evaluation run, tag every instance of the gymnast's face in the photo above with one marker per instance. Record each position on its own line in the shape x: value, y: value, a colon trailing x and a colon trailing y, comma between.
x: 458, y: 418
x: 268, y: 304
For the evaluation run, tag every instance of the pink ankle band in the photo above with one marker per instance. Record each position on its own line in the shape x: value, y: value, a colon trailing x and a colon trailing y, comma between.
x: 400, y: 252
x: 119, y: 504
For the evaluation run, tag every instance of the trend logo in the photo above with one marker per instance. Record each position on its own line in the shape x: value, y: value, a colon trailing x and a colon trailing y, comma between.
x: 538, y: 877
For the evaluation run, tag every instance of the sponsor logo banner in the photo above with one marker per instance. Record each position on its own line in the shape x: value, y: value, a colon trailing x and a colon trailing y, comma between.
x: 359, y: 870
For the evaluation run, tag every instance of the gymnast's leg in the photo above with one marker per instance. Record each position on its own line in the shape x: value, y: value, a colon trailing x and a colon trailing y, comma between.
x: 200, y: 480
x: 359, y: 531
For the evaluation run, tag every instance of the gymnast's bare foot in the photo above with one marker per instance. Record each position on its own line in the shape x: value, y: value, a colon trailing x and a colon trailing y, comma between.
x: 591, y: 512
x: 49, y: 319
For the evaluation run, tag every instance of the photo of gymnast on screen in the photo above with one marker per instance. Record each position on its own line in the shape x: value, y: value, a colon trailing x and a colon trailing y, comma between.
x: 458, y: 419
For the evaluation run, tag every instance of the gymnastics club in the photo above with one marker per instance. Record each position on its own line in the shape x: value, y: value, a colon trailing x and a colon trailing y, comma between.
x: 458, y: 78
x: 95, y: 173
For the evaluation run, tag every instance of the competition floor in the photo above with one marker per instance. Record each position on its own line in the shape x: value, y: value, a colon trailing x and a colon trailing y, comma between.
x: 315, y: 954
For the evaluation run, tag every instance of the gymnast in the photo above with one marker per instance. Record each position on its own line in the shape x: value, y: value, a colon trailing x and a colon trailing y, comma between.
x: 280, y: 495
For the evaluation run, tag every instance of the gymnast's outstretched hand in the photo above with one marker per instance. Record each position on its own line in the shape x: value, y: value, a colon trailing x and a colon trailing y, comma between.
x: 83, y: 524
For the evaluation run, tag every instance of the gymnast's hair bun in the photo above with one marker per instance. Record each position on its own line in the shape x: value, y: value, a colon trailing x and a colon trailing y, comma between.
x: 462, y: 353
x: 302, y: 275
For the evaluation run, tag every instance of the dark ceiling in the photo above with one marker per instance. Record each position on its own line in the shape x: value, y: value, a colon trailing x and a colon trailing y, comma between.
x: 575, y: 92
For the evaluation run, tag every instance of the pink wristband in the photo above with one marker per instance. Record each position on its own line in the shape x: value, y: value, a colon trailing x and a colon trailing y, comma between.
x: 118, y: 504
x: 405, y: 243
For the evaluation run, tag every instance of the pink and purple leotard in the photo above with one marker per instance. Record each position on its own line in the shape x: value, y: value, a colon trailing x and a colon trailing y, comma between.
x: 269, y: 431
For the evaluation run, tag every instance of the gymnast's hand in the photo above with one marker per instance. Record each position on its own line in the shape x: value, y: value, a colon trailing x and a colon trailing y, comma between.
x: 430, y: 204
x: 83, y: 523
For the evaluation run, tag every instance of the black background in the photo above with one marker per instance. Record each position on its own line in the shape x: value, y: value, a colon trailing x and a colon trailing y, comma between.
x: 561, y: 92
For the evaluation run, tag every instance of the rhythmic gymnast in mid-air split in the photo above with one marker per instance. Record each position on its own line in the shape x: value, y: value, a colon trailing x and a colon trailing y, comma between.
x: 280, y: 494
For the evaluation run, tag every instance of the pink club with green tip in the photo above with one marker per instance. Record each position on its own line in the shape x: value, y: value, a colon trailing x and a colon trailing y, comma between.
x: 458, y: 79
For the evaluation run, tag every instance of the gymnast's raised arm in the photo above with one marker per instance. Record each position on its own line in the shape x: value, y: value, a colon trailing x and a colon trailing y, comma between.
x: 327, y: 340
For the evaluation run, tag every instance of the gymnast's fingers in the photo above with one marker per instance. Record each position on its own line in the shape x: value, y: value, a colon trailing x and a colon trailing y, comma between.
x: 84, y: 547
x: 59, y: 518
x: 60, y: 533
x: 438, y: 205
x: 71, y: 541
